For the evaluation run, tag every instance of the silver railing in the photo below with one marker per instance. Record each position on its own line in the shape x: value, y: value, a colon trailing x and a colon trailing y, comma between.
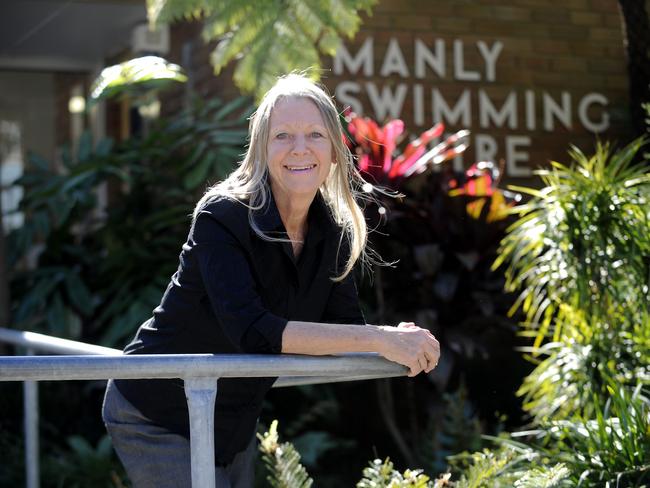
x: 199, y: 373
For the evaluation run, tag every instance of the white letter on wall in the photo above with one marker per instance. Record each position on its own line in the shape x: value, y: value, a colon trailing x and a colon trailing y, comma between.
x: 343, y: 95
x: 552, y: 109
x: 442, y: 112
x: 513, y: 156
x: 583, y: 112
x: 530, y: 109
x: 424, y: 58
x: 490, y: 56
x: 460, y: 73
x: 488, y: 113
x: 388, y: 104
x: 394, y: 61
x: 364, y: 57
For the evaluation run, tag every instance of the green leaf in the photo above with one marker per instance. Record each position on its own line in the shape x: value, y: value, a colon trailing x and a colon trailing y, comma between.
x: 77, y: 180
x: 231, y: 107
x: 85, y: 147
x: 78, y: 293
x: 313, y: 444
x: 135, y: 77
x: 56, y: 317
x: 38, y: 162
x: 104, y: 147
x: 199, y: 173
x: 80, y: 446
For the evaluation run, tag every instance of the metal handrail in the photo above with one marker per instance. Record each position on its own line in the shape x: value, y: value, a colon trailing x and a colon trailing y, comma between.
x: 199, y: 372
x: 56, y: 345
x: 52, y: 368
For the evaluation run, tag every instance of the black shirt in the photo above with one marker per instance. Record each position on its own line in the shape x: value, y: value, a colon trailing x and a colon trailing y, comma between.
x: 235, y: 292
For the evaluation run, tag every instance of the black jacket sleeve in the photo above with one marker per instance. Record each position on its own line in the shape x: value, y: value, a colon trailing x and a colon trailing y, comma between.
x: 232, y: 290
x: 343, y: 304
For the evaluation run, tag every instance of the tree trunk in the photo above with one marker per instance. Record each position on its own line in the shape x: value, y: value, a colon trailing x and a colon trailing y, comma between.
x: 637, y: 45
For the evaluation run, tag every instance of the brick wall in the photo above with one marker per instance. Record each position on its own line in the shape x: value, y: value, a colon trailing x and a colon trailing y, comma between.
x: 189, y: 50
x: 556, y: 51
x: 547, y: 57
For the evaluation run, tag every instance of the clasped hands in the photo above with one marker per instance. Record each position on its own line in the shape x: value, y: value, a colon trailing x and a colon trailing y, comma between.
x: 411, y: 346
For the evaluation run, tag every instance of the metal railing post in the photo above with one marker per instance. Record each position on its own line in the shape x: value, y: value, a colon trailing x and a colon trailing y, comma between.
x: 30, y: 408
x: 201, y: 395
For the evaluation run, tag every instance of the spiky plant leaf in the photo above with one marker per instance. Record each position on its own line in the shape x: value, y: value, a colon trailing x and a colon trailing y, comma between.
x: 544, y: 477
x: 485, y: 468
x: 382, y: 474
x: 282, y: 461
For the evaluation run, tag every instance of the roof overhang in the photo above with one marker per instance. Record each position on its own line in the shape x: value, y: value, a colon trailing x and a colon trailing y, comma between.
x: 65, y: 35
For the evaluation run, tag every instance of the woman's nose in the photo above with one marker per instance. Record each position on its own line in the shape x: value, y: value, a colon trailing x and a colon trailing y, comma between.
x: 299, y: 145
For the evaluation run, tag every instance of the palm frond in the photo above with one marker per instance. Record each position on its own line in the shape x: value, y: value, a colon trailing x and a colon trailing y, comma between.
x: 267, y: 38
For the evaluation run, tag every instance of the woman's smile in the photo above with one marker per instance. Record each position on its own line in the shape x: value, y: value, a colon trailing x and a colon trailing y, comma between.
x: 300, y: 168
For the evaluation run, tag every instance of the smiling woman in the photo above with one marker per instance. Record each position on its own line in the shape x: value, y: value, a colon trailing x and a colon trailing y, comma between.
x: 266, y: 268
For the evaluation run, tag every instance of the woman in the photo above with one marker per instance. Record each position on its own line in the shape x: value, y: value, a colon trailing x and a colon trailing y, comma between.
x: 266, y: 269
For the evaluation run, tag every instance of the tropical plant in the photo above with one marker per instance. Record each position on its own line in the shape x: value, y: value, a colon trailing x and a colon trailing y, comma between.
x: 100, y: 275
x: 580, y: 253
x: 610, y: 449
x: 267, y: 38
x: 580, y: 256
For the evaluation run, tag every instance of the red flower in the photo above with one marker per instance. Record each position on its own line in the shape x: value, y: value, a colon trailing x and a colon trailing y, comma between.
x: 375, y: 146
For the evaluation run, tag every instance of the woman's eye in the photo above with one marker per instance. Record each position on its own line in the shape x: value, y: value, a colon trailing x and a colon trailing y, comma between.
x: 317, y: 135
x: 281, y: 135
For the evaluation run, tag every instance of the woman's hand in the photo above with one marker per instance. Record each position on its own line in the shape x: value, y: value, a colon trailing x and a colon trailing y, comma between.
x: 410, y: 345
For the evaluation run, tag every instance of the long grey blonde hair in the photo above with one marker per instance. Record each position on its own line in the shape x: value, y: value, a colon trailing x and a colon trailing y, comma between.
x: 249, y: 181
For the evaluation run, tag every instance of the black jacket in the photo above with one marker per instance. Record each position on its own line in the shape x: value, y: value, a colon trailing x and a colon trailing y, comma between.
x: 234, y: 292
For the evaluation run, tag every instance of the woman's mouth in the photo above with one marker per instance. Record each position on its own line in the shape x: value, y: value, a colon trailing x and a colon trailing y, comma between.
x: 300, y: 168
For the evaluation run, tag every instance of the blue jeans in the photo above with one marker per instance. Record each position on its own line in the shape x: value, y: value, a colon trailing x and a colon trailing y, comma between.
x: 154, y: 457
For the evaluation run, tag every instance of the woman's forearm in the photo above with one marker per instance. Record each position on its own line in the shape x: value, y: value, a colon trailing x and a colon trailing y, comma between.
x: 319, y: 338
x: 406, y: 344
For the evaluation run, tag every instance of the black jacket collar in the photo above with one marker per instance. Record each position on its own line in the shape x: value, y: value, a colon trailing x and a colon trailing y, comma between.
x: 320, y: 218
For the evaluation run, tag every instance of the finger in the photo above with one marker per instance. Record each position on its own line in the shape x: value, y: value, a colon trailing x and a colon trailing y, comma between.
x: 423, y: 362
x: 432, y: 356
x: 414, y: 369
x: 432, y: 360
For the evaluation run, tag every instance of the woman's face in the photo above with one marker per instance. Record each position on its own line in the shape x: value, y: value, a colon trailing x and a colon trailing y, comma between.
x: 299, y: 150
